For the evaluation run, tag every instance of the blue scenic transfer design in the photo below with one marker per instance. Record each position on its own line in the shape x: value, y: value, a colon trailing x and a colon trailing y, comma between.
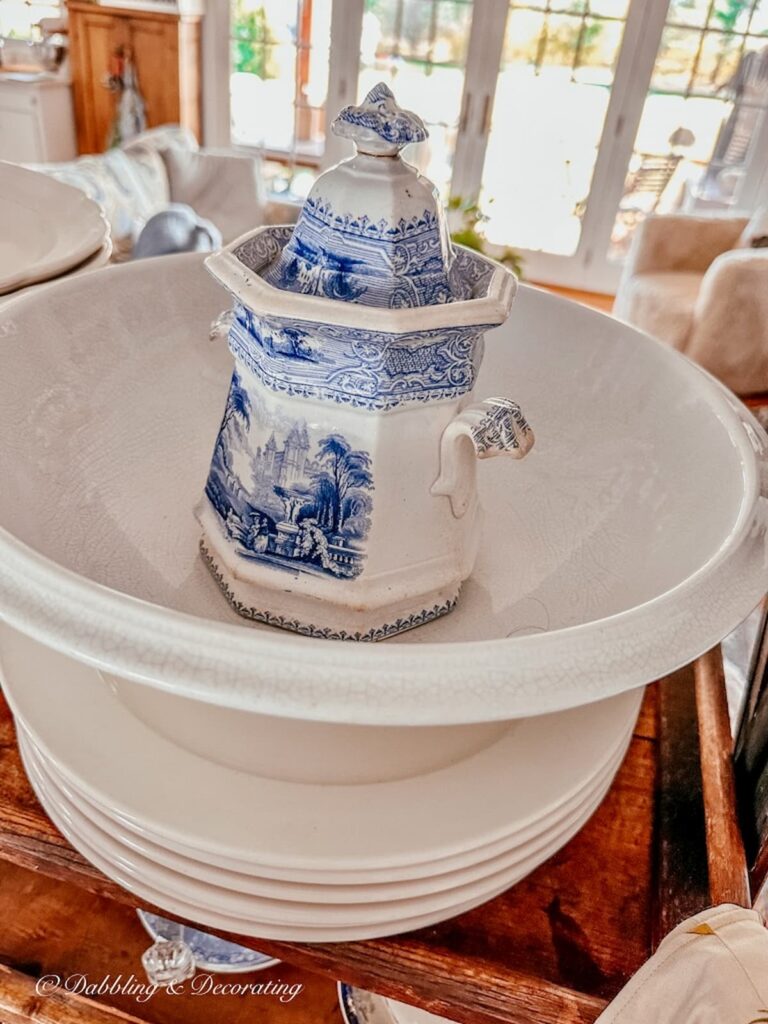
x: 288, y: 499
x: 376, y: 263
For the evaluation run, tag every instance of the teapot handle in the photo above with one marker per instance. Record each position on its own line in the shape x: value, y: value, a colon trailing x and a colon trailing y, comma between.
x: 494, y: 427
x: 221, y: 324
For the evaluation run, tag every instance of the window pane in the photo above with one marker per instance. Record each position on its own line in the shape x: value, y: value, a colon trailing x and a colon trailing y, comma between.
x: 419, y: 47
x: 551, y: 99
x: 732, y: 15
x: 280, y: 51
x: 609, y: 8
x: 688, y: 12
x: 18, y: 18
x: 708, y: 98
x: 676, y: 59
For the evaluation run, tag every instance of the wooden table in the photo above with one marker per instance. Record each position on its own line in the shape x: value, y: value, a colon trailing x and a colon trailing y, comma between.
x: 554, y: 948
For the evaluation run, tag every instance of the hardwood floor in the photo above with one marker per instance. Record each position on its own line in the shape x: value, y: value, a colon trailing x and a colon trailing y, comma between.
x: 596, y: 300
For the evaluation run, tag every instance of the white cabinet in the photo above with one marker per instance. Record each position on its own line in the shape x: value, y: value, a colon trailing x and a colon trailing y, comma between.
x: 36, y: 120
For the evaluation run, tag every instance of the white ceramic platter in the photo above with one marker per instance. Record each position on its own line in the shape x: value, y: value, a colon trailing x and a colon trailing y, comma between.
x: 46, y: 227
x: 242, y: 819
x: 632, y: 538
x: 284, y: 902
x: 171, y: 890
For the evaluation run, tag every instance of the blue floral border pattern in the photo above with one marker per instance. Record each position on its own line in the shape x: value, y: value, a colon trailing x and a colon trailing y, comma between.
x: 263, y: 247
x: 501, y: 428
x: 362, y: 368
x: 324, y: 632
x: 347, y: 1003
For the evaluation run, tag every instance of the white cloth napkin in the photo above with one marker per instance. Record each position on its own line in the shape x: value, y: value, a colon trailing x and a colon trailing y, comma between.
x: 712, y: 969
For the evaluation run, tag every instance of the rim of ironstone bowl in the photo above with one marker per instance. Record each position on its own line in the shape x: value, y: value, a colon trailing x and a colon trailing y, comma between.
x: 279, y: 673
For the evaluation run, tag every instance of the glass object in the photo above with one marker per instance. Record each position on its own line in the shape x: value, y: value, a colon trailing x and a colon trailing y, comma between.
x: 168, y: 961
x: 706, y: 104
x: 552, y: 94
x: 280, y: 52
x: 419, y: 48
x: 209, y: 952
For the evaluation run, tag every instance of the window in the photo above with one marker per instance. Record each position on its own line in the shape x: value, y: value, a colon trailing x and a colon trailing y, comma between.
x: 568, y: 121
x: 553, y: 90
x: 703, y: 114
x: 18, y: 18
x: 280, y: 53
x: 419, y: 47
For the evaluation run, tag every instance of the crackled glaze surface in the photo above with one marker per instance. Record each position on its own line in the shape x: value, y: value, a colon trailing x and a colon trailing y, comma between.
x: 629, y: 544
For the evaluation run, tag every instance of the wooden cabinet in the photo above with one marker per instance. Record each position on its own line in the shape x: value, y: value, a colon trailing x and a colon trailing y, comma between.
x: 36, y: 122
x: 166, y: 55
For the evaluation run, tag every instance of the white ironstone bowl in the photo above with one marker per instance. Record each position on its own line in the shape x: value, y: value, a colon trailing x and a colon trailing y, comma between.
x: 632, y: 539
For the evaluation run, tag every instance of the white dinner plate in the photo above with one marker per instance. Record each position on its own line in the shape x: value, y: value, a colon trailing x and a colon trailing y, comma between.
x: 171, y: 891
x: 634, y: 536
x: 315, y: 911
x: 46, y: 227
x: 145, y: 779
x: 253, y: 883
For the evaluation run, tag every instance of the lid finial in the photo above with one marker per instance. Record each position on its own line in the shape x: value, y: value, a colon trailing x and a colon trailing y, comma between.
x: 379, y: 127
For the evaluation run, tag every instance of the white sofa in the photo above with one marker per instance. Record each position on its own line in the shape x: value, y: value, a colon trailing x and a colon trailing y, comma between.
x: 687, y: 284
x: 165, y: 165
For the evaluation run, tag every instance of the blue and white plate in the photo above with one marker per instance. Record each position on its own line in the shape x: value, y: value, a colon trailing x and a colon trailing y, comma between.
x: 360, y: 1007
x: 210, y: 953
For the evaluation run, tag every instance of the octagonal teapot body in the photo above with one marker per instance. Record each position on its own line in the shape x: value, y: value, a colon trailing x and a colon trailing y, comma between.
x: 341, y: 499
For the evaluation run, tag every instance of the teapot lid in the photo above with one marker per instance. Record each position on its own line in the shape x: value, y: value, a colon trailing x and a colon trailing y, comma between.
x: 372, y: 229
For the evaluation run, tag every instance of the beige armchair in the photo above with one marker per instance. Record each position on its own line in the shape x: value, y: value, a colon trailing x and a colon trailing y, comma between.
x: 685, y: 283
x: 165, y: 165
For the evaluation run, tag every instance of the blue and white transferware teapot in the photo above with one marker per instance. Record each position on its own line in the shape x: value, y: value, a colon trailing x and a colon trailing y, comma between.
x: 341, y: 500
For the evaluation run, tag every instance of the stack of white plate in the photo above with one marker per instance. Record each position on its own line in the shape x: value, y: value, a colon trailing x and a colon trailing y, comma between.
x: 297, y: 861
x: 47, y: 230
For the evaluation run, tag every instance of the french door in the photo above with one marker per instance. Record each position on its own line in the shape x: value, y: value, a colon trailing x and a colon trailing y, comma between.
x: 568, y: 121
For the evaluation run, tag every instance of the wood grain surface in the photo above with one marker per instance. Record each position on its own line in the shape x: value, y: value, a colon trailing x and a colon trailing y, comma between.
x: 726, y: 858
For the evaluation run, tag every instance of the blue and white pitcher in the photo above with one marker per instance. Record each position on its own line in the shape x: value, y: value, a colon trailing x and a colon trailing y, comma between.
x: 341, y: 500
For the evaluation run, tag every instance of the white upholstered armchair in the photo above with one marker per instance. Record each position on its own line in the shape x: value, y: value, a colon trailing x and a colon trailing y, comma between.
x: 685, y: 283
x: 164, y: 165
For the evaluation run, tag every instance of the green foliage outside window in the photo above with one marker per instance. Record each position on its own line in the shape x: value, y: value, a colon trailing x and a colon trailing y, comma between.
x: 252, y: 42
x: 465, y: 218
